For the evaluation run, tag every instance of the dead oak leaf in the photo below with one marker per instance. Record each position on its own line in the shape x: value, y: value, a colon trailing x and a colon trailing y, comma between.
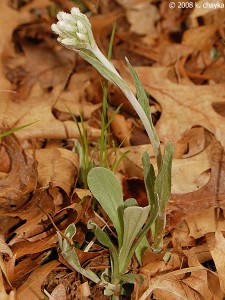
x: 38, y: 107
x: 31, y: 288
x: 22, y: 177
x: 183, y: 106
x: 57, y: 167
x: 9, y: 20
x: 143, y: 18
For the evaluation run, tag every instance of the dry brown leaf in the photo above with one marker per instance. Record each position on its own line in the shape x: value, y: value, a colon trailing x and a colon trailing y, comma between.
x: 153, y: 264
x: 28, y: 247
x: 217, y: 250
x: 9, y: 20
x: 202, y: 223
x: 209, y: 196
x: 6, y: 264
x: 31, y: 289
x: 200, y: 38
x: 184, y: 106
x: 182, y: 182
x: 84, y: 290
x: 121, y: 129
x: 53, y: 71
x: 143, y: 18
x: 171, y: 286
x: 22, y: 177
x: 25, y: 266
x: 59, y: 293
x: 57, y: 167
x: 3, y: 294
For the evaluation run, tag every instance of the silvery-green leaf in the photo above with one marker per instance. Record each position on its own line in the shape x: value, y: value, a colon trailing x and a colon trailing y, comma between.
x: 144, y: 102
x: 102, y: 68
x: 163, y: 179
x: 72, y: 258
x: 70, y: 231
x: 149, y: 179
x: 167, y: 256
x: 131, y: 278
x: 130, y: 202
x: 69, y: 254
x: 60, y: 240
x: 142, y: 246
x: 106, y: 188
x: 141, y: 94
x: 108, y: 291
x: 102, y: 237
x: 109, y: 287
x: 134, y: 219
x: 163, y: 190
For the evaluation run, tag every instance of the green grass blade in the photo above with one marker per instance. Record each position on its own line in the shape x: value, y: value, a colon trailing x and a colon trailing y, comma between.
x: 3, y: 134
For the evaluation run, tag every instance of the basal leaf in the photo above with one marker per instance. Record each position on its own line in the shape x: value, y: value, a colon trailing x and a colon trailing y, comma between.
x: 69, y: 254
x: 106, y: 188
x: 72, y: 258
x: 134, y: 219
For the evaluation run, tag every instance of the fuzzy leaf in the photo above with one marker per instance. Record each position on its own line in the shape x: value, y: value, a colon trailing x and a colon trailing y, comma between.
x: 134, y: 219
x: 149, y: 178
x: 69, y: 254
x: 101, y: 68
x: 72, y: 258
x: 144, y: 102
x: 131, y: 278
x: 130, y: 202
x: 163, y: 179
x: 102, y: 237
x: 106, y: 188
x: 142, y: 246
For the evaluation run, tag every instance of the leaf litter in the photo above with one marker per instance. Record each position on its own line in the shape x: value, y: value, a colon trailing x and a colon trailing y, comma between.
x: 179, y: 56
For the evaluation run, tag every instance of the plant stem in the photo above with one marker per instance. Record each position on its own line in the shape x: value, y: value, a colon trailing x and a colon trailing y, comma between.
x: 133, y: 100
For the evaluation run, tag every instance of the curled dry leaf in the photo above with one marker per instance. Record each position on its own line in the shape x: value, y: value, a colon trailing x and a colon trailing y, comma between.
x: 121, y: 129
x: 217, y: 249
x: 22, y: 177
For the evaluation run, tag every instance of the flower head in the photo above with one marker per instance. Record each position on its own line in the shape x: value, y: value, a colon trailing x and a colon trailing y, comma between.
x: 74, y: 30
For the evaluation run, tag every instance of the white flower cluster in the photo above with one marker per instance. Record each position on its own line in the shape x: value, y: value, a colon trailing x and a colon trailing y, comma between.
x: 74, y: 30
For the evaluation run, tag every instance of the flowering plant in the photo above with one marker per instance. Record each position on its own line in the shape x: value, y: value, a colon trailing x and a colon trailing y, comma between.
x: 131, y: 222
